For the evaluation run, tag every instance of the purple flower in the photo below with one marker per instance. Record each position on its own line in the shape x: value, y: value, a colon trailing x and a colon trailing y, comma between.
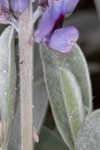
x: 63, y: 39
x: 18, y: 5
x: 50, y: 29
x: 4, y: 7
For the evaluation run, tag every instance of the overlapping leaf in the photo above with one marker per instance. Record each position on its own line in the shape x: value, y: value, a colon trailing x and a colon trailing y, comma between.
x: 40, y: 94
x: 7, y: 81
x: 89, y: 134
x: 68, y: 85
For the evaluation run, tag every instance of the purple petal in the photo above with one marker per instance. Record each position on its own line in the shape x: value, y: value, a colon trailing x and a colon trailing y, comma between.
x: 4, y: 6
x: 50, y: 2
x: 71, y: 5
x: 18, y: 5
x: 62, y: 40
x: 68, y: 6
x: 49, y: 19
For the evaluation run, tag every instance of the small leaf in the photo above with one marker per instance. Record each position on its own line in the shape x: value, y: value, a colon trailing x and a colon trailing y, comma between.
x: 11, y: 84
x: 76, y: 63
x: 8, y: 81
x: 40, y: 94
x: 64, y: 90
x: 88, y: 137
x: 4, y: 60
x: 73, y: 100
x: 49, y: 140
x: 15, y: 138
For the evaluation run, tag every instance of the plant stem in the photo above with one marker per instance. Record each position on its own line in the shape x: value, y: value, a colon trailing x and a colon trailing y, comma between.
x: 26, y: 77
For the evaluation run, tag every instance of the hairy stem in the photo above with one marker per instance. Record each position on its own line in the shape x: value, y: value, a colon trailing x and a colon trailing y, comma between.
x: 26, y: 77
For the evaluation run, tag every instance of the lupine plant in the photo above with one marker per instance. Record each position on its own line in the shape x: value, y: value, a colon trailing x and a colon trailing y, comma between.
x: 39, y: 27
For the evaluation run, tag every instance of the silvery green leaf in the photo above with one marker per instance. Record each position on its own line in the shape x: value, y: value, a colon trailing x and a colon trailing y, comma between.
x: 64, y: 90
x: 73, y: 100
x: 40, y: 94
x: 15, y: 136
x: 76, y: 63
x: 7, y: 81
x: 88, y: 137
x: 49, y: 140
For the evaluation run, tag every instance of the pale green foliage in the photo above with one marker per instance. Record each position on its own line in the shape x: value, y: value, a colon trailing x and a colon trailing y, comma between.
x: 73, y: 100
x: 40, y: 102
x: 89, y: 134
x: 7, y: 81
x: 68, y: 86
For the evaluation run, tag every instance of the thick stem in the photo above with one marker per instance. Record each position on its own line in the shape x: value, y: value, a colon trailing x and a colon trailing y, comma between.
x: 26, y: 78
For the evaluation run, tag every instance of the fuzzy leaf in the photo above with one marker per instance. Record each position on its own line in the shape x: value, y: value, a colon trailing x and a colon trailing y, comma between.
x: 15, y: 138
x: 76, y: 63
x: 7, y: 81
x: 40, y: 94
x: 88, y: 137
x: 65, y: 91
x: 73, y: 100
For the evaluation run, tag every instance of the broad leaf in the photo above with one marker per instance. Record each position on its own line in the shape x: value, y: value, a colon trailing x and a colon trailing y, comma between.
x: 7, y: 81
x: 73, y: 100
x: 40, y: 94
x: 66, y: 77
x: 88, y: 137
x: 76, y: 63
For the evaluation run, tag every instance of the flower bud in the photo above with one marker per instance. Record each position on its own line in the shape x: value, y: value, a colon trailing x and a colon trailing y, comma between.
x: 63, y: 39
x: 4, y: 8
x: 50, y: 30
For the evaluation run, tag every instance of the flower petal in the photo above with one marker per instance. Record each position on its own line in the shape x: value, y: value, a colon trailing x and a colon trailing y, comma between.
x: 68, y: 6
x: 4, y: 11
x: 62, y: 40
x: 49, y: 19
x: 18, y: 5
x: 53, y: 17
x: 4, y: 6
x: 71, y: 5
